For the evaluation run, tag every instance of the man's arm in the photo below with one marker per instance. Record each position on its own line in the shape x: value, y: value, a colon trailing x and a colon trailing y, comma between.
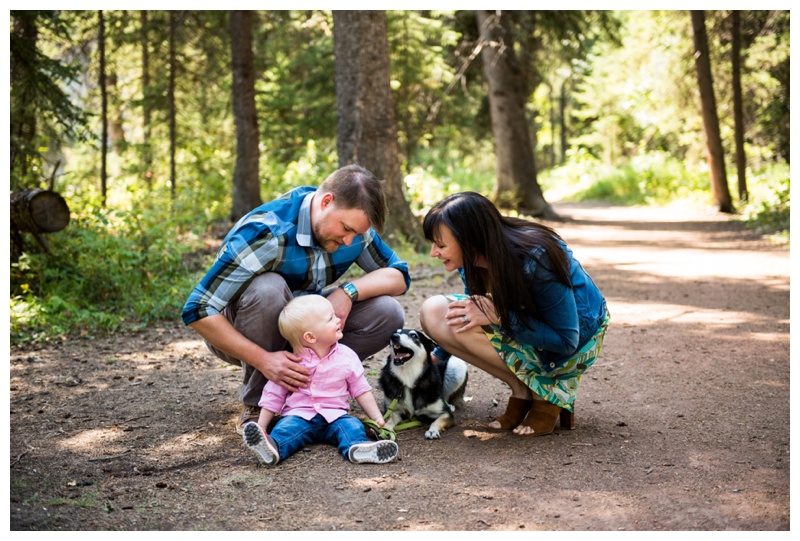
x: 280, y: 367
x: 385, y: 281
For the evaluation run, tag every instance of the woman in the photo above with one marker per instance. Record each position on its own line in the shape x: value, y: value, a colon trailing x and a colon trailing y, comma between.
x: 531, y: 316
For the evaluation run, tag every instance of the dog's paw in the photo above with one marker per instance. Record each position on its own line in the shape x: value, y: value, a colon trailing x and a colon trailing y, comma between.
x: 432, y: 434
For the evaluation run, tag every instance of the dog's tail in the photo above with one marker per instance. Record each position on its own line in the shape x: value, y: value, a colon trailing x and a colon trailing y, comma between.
x: 455, y: 381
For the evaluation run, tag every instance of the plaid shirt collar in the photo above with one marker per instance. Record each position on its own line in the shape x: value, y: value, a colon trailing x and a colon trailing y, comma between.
x: 305, y: 233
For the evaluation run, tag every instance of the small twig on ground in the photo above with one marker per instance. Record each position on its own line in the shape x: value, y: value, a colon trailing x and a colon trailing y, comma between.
x: 112, y: 457
x: 19, y: 458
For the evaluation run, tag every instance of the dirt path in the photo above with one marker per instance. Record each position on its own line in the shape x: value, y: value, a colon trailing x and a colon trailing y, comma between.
x: 683, y: 424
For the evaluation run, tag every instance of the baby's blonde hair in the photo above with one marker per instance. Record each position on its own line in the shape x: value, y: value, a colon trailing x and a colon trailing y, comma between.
x: 296, y: 314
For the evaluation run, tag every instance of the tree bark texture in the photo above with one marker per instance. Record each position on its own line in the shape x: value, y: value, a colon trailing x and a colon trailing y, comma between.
x: 246, y: 185
x: 715, y: 155
x: 366, y: 129
x: 516, y: 183
x: 104, y: 110
x: 563, y: 116
x: 173, y: 66
x: 147, y: 156
x: 23, y: 119
x: 38, y: 211
x: 738, y: 114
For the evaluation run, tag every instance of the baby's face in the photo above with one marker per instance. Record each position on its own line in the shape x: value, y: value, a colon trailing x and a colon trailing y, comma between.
x: 327, y: 328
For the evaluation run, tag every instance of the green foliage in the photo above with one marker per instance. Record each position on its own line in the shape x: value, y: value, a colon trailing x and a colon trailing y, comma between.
x: 633, y: 128
x: 112, y: 269
x: 443, y: 171
x: 43, y: 115
x: 769, y: 209
x: 652, y: 178
x: 295, y: 91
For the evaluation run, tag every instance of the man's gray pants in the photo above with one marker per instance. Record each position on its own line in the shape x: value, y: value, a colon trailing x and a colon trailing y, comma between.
x: 255, y: 315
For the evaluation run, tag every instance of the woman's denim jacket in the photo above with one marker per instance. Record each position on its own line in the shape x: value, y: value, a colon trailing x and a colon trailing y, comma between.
x: 570, y: 315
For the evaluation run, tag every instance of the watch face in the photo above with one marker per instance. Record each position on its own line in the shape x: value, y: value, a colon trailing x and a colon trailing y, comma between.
x: 351, y: 290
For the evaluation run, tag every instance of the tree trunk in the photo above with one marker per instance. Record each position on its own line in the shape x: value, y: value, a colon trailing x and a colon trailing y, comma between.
x: 147, y: 156
x: 173, y: 64
x: 552, y: 103
x: 23, y: 119
x: 563, y: 115
x: 366, y: 129
x: 36, y: 211
x: 101, y: 39
x: 116, y: 113
x: 738, y: 115
x: 246, y: 187
x: 716, y: 158
x: 516, y: 170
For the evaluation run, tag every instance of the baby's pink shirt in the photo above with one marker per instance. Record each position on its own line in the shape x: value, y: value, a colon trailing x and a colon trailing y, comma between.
x: 334, y: 379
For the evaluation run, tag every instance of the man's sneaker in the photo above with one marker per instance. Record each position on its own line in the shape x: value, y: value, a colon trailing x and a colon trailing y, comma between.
x: 261, y: 443
x: 249, y: 414
x: 376, y: 452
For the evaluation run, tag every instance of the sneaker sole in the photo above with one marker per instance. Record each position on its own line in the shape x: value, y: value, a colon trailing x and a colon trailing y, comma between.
x: 378, y: 452
x: 255, y: 439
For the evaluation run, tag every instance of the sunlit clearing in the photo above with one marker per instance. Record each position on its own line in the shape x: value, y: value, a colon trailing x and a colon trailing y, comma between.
x: 88, y: 440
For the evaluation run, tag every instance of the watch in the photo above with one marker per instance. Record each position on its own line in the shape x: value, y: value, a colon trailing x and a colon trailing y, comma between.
x: 351, y: 291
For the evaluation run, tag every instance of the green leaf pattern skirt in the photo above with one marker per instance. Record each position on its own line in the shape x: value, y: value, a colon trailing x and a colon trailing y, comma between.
x: 558, y: 386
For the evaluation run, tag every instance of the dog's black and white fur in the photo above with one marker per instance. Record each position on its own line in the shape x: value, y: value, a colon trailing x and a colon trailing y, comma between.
x: 423, y: 390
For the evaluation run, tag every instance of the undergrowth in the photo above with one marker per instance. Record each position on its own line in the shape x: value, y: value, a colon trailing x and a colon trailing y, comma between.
x: 116, y: 269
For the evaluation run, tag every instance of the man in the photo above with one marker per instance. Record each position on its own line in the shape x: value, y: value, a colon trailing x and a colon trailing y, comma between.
x: 297, y: 244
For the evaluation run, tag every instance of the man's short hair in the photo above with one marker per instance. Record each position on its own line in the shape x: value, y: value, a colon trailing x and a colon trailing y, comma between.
x: 353, y: 187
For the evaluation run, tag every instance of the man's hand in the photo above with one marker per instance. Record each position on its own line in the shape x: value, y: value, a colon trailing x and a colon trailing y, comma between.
x: 341, y: 304
x: 283, y: 368
x: 279, y: 366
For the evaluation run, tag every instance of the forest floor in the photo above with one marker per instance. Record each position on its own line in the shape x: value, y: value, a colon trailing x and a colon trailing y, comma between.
x: 682, y: 424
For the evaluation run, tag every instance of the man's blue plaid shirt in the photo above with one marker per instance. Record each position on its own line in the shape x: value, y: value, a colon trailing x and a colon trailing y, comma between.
x: 277, y: 237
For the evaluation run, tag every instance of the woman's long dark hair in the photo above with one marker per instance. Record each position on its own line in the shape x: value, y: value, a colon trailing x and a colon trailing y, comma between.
x: 505, y: 243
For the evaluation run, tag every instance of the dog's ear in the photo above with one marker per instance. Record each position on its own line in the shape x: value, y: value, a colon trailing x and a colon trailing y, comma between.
x: 427, y: 342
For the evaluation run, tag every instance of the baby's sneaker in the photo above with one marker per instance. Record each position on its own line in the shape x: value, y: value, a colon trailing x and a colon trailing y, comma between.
x: 261, y: 443
x: 375, y: 452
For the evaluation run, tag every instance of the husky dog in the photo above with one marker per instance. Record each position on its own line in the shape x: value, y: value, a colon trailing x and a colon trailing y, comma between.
x: 422, y: 389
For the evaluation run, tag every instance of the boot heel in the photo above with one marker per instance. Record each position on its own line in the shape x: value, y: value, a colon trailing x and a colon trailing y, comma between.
x: 567, y: 419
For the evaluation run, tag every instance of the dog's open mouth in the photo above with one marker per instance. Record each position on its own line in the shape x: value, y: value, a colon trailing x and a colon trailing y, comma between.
x: 400, y: 354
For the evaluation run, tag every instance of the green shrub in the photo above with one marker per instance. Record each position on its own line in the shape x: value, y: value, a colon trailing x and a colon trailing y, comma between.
x: 111, y: 269
x: 651, y: 178
x: 769, y: 210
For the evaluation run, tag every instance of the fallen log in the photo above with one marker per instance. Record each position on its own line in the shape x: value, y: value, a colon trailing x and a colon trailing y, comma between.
x: 37, y: 211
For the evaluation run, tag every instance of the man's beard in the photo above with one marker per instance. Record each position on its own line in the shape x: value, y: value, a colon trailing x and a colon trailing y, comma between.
x: 323, y: 242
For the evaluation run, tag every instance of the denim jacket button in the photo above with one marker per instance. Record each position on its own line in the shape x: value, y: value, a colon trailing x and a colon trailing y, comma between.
x: 552, y: 365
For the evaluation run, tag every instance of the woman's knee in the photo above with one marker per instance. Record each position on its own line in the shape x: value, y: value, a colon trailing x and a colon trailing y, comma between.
x: 431, y: 315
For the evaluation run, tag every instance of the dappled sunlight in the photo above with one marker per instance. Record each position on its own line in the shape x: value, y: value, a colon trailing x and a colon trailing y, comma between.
x: 97, y: 441
x: 108, y: 443
x: 693, y: 263
x: 481, y: 435
x: 771, y: 337
x: 178, y: 444
x: 644, y: 313
x: 368, y: 483
x: 184, y: 346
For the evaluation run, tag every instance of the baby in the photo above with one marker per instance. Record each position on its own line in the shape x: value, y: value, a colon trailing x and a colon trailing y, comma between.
x: 318, y: 413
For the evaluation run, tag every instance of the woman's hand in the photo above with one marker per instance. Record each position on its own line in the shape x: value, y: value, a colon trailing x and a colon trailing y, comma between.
x: 466, y: 314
